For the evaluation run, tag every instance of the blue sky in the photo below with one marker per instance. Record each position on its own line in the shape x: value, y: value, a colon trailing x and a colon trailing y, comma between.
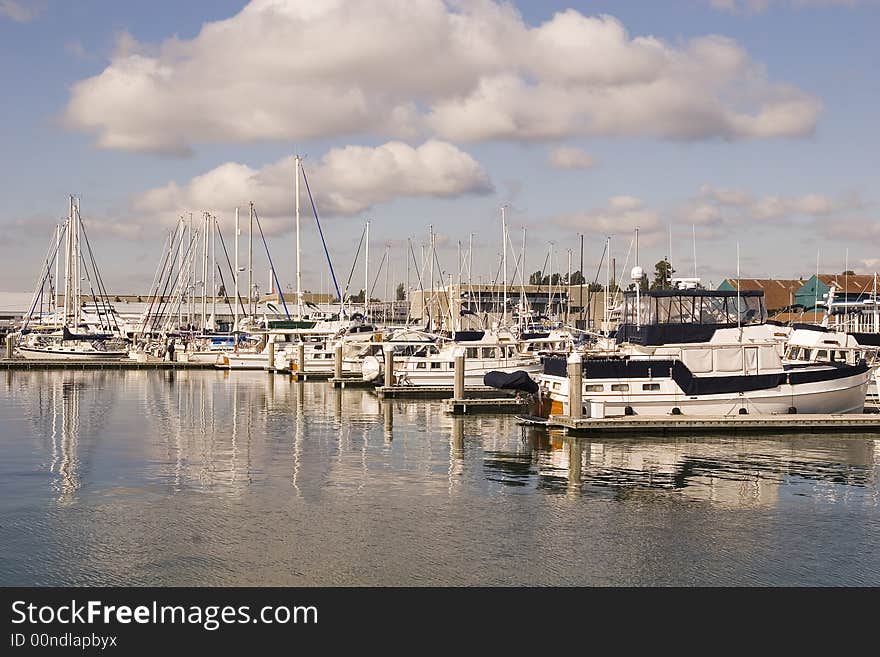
x: 801, y: 181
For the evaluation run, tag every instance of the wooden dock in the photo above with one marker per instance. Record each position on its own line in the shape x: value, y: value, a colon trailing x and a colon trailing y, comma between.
x: 437, y: 392
x: 495, y: 405
x: 351, y: 382
x: 106, y: 364
x: 296, y: 375
x: 806, y: 423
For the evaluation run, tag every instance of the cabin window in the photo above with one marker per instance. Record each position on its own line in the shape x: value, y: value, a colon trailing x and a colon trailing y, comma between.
x: 488, y: 352
x: 435, y: 366
x: 822, y: 354
x: 594, y: 387
x: 650, y: 386
x: 620, y: 387
x: 472, y: 352
x: 420, y: 366
x: 556, y: 386
x: 808, y: 354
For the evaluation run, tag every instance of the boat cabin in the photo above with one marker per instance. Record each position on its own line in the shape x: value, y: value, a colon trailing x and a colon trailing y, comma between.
x: 657, y: 317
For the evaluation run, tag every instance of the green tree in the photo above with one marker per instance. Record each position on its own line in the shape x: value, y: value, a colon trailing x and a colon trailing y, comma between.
x: 663, y: 272
x: 577, y: 278
x: 400, y: 292
x: 848, y: 272
x: 358, y: 298
x: 535, y: 278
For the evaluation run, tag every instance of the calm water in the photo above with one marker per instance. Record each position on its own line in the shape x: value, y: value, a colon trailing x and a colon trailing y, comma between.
x: 210, y: 478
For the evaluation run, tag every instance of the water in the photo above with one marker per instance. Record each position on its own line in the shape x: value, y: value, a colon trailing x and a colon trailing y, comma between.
x: 211, y: 478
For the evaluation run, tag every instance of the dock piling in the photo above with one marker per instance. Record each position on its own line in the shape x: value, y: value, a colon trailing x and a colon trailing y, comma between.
x: 301, y: 357
x: 10, y: 345
x: 458, y: 387
x: 271, y: 347
x: 337, y: 361
x: 575, y: 388
x: 388, y: 352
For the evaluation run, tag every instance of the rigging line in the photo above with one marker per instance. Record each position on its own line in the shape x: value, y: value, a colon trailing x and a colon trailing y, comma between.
x: 321, y: 232
x: 102, y: 289
x: 590, y: 291
x: 378, y: 272
x: 231, y: 268
x: 157, y: 281
x: 354, y: 262
x: 167, y: 271
x: 274, y: 272
x: 49, y: 260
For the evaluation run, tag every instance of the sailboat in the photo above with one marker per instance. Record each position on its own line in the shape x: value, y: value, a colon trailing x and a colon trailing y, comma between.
x: 66, y: 334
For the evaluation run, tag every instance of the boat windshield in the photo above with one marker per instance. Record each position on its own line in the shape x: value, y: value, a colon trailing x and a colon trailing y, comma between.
x: 705, y: 307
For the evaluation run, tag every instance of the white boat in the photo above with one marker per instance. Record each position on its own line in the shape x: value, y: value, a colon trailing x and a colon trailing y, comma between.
x: 73, y: 331
x: 701, y: 352
x: 433, y: 364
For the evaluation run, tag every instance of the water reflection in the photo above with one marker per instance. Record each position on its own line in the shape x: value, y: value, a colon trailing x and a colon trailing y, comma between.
x: 714, y: 468
x: 206, y: 477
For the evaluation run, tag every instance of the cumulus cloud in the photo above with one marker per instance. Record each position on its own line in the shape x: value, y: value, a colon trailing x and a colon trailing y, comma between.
x: 346, y: 181
x: 568, y: 157
x: 459, y: 71
x: 714, y: 206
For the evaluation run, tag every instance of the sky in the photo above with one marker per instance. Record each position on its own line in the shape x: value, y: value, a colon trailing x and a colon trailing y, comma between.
x: 706, y: 124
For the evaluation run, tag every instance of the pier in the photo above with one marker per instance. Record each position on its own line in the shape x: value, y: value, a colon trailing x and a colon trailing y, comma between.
x: 108, y: 364
x: 648, y: 424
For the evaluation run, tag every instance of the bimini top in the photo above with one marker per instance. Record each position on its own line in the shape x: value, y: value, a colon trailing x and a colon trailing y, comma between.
x: 680, y: 316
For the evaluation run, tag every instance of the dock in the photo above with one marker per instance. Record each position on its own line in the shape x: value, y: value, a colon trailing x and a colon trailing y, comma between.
x: 296, y: 375
x: 107, y: 364
x: 651, y: 424
x: 468, y: 406
x: 351, y: 382
x: 438, y: 392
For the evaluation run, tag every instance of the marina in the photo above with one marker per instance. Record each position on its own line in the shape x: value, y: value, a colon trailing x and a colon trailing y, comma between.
x: 439, y: 294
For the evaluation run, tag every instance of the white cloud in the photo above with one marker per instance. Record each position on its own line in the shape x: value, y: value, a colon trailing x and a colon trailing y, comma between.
x: 622, y: 216
x: 461, y: 71
x: 717, y: 205
x: 346, y: 181
x: 568, y: 157
x: 20, y: 11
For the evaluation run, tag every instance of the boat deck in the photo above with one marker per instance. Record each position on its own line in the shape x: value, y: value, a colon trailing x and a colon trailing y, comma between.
x: 98, y: 364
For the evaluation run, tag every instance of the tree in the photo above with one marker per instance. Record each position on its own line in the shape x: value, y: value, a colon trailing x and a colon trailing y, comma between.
x: 577, y: 278
x: 663, y: 272
x: 535, y: 278
x: 400, y: 292
x: 848, y: 272
x: 358, y: 298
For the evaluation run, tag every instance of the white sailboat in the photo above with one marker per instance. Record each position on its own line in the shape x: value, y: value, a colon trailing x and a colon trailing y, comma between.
x: 67, y: 334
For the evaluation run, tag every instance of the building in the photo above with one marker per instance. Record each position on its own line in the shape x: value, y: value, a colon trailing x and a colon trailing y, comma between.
x: 854, y: 288
x: 779, y: 293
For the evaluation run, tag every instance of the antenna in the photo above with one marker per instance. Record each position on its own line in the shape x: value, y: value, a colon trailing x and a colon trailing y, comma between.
x: 694, y: 231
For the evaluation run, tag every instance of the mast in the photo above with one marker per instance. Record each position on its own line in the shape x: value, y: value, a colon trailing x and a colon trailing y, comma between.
x: 58, y: 266
x: 568, y: 289
x: 522, y: 280
x: 471, y: 270
x: 250, y: 288
x: 299, y: 291
x: 550, y: 283
x: 387, y: 272
x: 205, y: 271
x: 180, y: 282
x: 431, y: 307
x: 214, y: 270
x: 68, y: 264
x: 504, y: 263
x: 367, y: 275
x: 77, y: 299
x: 235, y: 301
x: 607, y: 296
